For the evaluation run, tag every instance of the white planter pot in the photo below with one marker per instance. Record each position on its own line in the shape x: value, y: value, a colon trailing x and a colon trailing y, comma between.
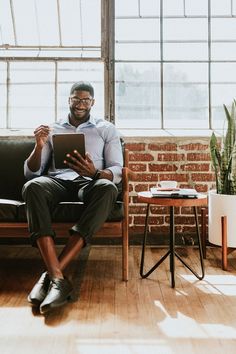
x: 221, y: 205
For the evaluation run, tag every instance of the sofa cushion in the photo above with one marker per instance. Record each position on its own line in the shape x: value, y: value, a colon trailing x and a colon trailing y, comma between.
x: 69, y: 212
x: 13, y: 152
x: 9, y: 210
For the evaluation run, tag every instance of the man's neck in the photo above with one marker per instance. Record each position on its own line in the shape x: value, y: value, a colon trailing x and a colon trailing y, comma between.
x: 73, y: 121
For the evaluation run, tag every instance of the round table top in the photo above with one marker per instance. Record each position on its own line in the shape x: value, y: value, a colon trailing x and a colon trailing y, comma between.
x: 146, y: 197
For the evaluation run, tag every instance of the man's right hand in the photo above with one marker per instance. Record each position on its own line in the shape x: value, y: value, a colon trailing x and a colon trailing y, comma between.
x: 41, y: 134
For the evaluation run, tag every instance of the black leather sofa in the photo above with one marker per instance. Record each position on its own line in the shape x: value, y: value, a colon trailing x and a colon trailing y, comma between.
x: 13, y: 223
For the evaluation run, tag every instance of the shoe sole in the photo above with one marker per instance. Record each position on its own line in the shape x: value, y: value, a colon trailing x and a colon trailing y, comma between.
x: 47, y: 308
x: 34, y: 302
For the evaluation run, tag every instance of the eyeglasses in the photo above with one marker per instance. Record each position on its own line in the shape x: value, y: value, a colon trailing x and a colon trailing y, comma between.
x: 86, y: 101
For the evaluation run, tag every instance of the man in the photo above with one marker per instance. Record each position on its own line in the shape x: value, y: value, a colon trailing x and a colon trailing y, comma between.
x: 93, y: 180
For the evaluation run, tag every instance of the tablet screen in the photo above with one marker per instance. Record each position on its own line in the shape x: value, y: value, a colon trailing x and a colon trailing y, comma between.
x: 66, y: 143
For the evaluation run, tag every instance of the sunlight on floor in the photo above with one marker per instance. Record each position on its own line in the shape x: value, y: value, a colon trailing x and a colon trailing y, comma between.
x: 214, y: 284
x: 124, y: 346
x: 185, y: 327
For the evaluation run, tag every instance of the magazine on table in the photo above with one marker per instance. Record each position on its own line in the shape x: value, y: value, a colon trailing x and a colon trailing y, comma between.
x: 174, y: 192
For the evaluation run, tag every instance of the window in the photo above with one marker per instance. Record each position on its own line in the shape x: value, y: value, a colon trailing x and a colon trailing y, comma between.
x: 45, y: 46
x: 155, y: 64
x: 175, y: 63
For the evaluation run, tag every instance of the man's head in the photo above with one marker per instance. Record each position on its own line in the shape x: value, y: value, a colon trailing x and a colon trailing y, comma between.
x: 81, y: 101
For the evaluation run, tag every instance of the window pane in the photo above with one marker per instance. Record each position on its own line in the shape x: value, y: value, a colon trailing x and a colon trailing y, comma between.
x: 196, y: 8
x: 6, y: 27
x: 227, y: 24
x: 186, y: 95
x: 173, y: 8
x: 219, y: 7
x: 185, y: 51
x: 48, y: 22
x: 190, y: 31
x: 141, y: 29
x: 185, y: 29
x: 223, y: 90
x: 223, y: 51
x: 137, y: 91
x: 126, y: 8
x: 79, y: 25
x: 26, y: 30
x: 91, y: 22
x: 138, y: 51
x: 150, y: 7
x: 3, y: 94
x: 71, y: 72
x: 31, y: 98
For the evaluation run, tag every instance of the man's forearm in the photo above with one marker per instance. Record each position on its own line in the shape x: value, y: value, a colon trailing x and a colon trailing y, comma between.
x: 34, y: 160
x: 107, y: 174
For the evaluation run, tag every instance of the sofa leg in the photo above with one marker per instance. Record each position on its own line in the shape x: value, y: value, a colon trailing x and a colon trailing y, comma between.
x: 125, y: 252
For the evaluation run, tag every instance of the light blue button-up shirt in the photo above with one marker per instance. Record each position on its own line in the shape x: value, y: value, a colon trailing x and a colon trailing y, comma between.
x: 102, y: 142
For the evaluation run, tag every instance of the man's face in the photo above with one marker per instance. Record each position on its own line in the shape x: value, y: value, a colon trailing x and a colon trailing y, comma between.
x: 80, y: 103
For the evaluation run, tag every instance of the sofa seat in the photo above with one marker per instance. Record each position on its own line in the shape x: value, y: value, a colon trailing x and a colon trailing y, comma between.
x: 9, y: 210
x: 14, y: 211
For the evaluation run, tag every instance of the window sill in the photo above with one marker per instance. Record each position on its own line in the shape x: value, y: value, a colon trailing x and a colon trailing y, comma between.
x: 132, y: 132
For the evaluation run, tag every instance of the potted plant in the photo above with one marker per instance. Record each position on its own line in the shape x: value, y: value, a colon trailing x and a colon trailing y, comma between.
x: 222, y: 202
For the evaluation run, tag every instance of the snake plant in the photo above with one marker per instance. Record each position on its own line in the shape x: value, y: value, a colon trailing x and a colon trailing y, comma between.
x: 223, y: 156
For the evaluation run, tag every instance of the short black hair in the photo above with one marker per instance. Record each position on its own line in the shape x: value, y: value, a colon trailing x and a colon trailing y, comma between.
x: 82, y: 86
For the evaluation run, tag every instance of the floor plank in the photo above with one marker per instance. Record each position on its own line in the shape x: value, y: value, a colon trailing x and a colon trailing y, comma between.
x: 108, y: 315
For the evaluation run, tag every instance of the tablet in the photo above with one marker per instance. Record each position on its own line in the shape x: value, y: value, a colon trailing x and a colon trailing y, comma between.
x: 67, y: 143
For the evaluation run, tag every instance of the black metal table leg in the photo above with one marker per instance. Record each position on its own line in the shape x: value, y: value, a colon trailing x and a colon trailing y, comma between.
x: 144, y: 248
x: 172, y: 246
x: 200, y: 277
x: 171, y: 252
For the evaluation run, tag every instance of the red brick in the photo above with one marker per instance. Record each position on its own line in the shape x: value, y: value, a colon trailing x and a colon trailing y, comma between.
x: 179, y: 177
x: 195, y: 167
x: 161, y: 230
x: 162, y: 167
x: 162, y: 147
x: 147, y: 177
x: 183, y: 220
x: 203, y: 177
x: 201, y: 188
x: 135, y: 146
x: 135, y: 209
x: 194, y: 146
x: 198, y: 157
x: 141, y: 157
x: 159, y: 209
x: 170, y: 157
x: 189, y: 229
x: 138, y: 167
x: 141, y: 188
x: 136, y: 229
x: 153, y: 220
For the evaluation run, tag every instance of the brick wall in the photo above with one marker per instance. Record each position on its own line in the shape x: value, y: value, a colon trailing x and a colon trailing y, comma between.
x: 185, y: 160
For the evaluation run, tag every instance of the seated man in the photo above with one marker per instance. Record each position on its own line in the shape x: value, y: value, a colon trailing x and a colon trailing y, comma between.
x: 93, y: 180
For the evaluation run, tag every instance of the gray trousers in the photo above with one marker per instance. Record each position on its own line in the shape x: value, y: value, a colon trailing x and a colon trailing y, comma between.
x: 42, y: 194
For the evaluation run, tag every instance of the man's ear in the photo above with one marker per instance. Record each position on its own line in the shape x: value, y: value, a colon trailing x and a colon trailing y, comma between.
x: 93, y: 101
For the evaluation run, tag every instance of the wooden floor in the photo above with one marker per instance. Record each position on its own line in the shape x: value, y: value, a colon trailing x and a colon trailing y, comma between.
x: 110, y: 316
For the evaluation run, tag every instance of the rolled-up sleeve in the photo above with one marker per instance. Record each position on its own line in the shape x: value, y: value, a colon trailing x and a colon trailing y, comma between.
x: 46, y: 152
x: 113, y: 154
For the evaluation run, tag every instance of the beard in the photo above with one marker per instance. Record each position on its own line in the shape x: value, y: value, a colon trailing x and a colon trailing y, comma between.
x: 79, y: 114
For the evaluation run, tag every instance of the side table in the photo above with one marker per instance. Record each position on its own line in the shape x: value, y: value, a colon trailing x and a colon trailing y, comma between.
x: 201, y: 200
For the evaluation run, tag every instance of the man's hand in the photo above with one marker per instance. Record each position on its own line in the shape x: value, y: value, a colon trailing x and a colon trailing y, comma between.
x: 83, y: 166
x: 41, y: 133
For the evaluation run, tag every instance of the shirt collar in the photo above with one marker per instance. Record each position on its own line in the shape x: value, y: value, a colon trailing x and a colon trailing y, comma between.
x: 91, y: 121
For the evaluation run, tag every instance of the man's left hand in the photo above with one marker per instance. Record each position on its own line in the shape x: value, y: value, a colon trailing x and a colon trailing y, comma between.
x: 83, y: 166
